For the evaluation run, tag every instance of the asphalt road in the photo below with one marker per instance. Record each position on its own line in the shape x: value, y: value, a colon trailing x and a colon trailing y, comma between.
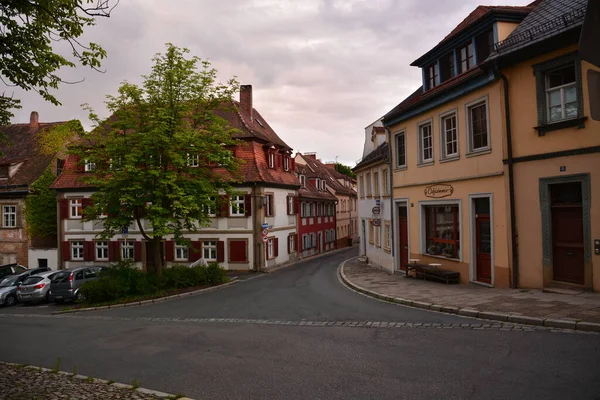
x: 213, y: 359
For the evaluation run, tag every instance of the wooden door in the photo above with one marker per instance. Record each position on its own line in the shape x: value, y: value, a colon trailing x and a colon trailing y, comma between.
x: 567, y: 233
x: 403, y: 237
x: 483, y: 237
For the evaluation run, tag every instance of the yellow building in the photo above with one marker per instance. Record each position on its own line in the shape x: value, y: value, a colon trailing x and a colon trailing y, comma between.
x: 554, y: 148
x: 450, y: 203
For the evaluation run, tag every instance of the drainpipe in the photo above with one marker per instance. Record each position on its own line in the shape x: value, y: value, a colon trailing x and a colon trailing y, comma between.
x: 511, y: 187
x: 391, y: 179
x: 255, y: 230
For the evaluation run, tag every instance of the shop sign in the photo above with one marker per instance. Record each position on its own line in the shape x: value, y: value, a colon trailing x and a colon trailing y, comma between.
x: 439, y: 191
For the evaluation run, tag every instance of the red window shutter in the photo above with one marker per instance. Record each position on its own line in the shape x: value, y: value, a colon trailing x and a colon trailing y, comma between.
x: 292, y: 164
x: 85, y: 203
x: 195, y: 252
x: 220, y: 251
x: 66, y: 251
x: 287, y: 205
x: 248, y: 205
x: 297, y: 205
x: 137, y: 251
x: 112, y: 250
x: 169, y: 250
x: 223, y: 206
x: 279, y: 160
x: 276, y: 244
x: 88, y: 251
x: 64, y: 208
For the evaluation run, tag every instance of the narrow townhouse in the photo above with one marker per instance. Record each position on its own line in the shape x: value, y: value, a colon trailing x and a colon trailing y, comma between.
x: 374, y: 200
x: 251, y: 230
x: 447, y: 155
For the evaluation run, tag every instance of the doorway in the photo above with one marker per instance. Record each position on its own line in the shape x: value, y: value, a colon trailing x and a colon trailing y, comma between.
x: 483, y: 240
x: 566, y: 213
x: 42, y: 263
x: 403, y: 236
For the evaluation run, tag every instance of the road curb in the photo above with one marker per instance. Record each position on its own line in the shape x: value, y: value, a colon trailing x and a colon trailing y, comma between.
x: 469, y: 312
x: 96, y: 380
x: 280, y: 267
x: 153, y: 301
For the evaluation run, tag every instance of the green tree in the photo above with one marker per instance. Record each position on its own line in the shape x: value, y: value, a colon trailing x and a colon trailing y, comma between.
x: 30, y: 29
x: 40, y: 207
x: 344, y: 169
x: 164, y: 154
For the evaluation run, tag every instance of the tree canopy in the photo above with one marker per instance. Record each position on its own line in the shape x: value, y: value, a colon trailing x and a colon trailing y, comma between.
x: 164, y: 155
x: 344, y: 169
x: 40, y: 210
x: 28, y: 31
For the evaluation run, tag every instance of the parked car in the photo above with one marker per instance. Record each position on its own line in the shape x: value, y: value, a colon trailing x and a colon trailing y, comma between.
x: 65, y: 284
x: 35, y: 287
x: 11, y: 269
x: 8, y: 290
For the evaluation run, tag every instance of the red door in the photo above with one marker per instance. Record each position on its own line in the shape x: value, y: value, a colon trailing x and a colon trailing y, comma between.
x: 403, y: 237
x: 483, y: 248
x: 567, y: 233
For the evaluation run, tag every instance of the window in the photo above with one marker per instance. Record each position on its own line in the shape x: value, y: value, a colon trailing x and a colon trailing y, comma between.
x: 485, y: 45
x: 376, y: 183
x: 127, y: 250
x: 102, y: 251
x: 433, y: 72
x: 286, y: 163
x: 89, y: 166
x: 9, y: 216
x: 76, y: 250
x: 449, y: 136
x: 271, y: 159
x: 303, y: 180
x: 324, y: 185
x: 425, y: 143
x: 75, y: 208
x: 211, y: 207
x: 378, y: 236
x: 193, y: 160
x: 387, y: 234
x: 209, y: 250
x: 60, y: 165
x: 371, y: 233
x: 561, y: 94
x: 290, y: 205
x: 361, y: 185
x: 271, y: 248
x: 270, y: 206
x: 478, y: 127
x: 237, y: 206
x: 386, y: 182
x: 467, y: 57
x: 400, y: 150
x: 447, y: 67
x: 291, y: 243
x: 181, y: 252
x: 368, y: 184
x: 442, y: 231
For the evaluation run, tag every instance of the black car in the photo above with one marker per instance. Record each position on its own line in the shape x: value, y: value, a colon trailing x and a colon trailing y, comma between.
x: 11, y: 269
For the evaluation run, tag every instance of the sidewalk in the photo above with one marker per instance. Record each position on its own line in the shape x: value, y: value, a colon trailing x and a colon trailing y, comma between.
x: 528, y: 306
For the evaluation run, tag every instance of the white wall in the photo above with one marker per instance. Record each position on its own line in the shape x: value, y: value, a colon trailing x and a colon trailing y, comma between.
x: 49, y: 254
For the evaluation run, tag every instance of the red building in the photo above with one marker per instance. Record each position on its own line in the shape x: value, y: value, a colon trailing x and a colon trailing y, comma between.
x: 316, y: 216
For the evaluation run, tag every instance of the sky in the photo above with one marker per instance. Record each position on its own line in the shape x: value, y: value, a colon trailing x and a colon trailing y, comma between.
x: 321, y: 70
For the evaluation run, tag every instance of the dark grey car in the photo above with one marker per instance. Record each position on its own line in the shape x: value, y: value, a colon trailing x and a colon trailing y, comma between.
x: 65, y: 284
x: 11, y: 269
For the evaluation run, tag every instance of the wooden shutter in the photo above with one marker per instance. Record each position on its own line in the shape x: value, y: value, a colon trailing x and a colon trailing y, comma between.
x: 287, y: 205
x: 223, y: 206
x: 88, y: 251
x: 137, y: 251
x: 195, y: 252
x: 64, y: 208
x: 112, y: 250
x: 66, y: 251
x: 297, y: 205
x: 169, y: 250
x: 276, y: 244
x: 279, y: 160
x: 220, y: 251
x: 248, y: 204
x: 85, y: 203
x: 292, y: 164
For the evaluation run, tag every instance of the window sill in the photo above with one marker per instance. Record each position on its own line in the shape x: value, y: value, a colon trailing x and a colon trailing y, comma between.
x: 387, y: 250
x: 478, y: 153
x: 449, y: 159
x: 555, y: 126
x: 402, y: 168
x: 442, y: 257
x: 425, y: 164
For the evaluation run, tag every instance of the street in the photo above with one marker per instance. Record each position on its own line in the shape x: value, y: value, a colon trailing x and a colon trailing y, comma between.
x: 259, y: 339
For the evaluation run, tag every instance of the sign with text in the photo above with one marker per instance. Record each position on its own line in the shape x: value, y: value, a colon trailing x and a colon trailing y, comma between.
x: 376, y: 210
x: 439, y: 191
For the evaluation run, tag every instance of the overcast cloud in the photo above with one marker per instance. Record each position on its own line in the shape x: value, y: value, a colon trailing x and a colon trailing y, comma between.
x: 321, y: 70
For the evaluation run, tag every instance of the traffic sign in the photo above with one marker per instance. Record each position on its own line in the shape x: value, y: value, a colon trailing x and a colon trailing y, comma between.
x: 265, y: 239
x: 265, y: 232
x: 265, y: 225
x: 376, y: 210
x: 376, y: 222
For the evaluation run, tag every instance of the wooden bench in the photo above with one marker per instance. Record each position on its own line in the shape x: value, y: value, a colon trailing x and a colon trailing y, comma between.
x: 428, y: 272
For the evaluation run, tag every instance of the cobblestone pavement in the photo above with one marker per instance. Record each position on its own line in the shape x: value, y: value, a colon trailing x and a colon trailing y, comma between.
x: 525, y: 302
x: 33, y: 383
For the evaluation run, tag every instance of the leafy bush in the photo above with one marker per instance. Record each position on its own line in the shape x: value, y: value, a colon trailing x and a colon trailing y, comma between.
x: 123, y: 280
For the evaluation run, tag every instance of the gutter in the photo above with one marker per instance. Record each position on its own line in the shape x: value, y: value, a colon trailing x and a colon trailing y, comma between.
x: 391, y: 188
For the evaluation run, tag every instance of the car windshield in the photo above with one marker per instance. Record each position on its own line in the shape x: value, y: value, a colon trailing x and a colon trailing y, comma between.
x: 61, y: 276
x: 32, y: 280
x: 10, y: 281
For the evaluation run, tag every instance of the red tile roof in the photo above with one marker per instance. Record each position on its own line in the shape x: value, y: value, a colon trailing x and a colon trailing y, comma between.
x: 316, y: 169
x: 309, y: 191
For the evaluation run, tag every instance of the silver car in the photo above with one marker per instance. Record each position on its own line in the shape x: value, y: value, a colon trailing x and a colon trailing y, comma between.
x: 8, y: 290
x: 65, y: 284
x: 35, y: 288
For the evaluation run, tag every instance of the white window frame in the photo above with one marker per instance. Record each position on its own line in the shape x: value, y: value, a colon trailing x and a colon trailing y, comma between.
x: 9, y: 216
x: 292, y: 243
x: 77, y: 250
x: 286, y: 163
x: 182, y: 252
x: 303, y: 180
x: 444, y: 136
x: 193, y: 160
x: 271, y: 159
x: 397, y: 136
x: 270, y: 206
x: 237, y: 207
x: 386, y: 187
x: 127, y: 250
x: 211, y: 209
x: 423, y: 226
x: 88, y: 166
x: 560, y: 89
x: 75, y: 208
x: 420, y: 129
x: 271, y: 248
x: 468, y: 108
x: 101, y: 250
x: 290, y: 200
x: 375, y: 183
x: 369, y: 188
x: 209, y: 247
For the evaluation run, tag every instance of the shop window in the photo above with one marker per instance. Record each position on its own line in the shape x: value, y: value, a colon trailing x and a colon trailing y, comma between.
x: 442, y: 231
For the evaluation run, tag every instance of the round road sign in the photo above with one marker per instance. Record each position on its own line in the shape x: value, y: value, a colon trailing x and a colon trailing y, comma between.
x: 265, y: 232
x: 265, y: 239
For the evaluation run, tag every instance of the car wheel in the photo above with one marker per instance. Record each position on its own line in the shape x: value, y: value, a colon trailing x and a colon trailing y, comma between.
x: 10, y: 301
x: 79, y: 297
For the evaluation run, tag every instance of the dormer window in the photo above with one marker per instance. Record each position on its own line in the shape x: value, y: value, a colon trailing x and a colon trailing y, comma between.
x: 286, y: 163
x: 271, y: 159
x: 324, y: 185
x: 303, y: 180
x: 433, y: 72
x: 89, y: 166
x: 448, y: 69
x: 466, y: 55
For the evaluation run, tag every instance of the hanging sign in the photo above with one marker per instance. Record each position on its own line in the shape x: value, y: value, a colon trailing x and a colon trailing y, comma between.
x: 439, y: 191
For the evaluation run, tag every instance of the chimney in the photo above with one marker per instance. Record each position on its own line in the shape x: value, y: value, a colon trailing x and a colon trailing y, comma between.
x: 34, y: 121
x: 246, y: 100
